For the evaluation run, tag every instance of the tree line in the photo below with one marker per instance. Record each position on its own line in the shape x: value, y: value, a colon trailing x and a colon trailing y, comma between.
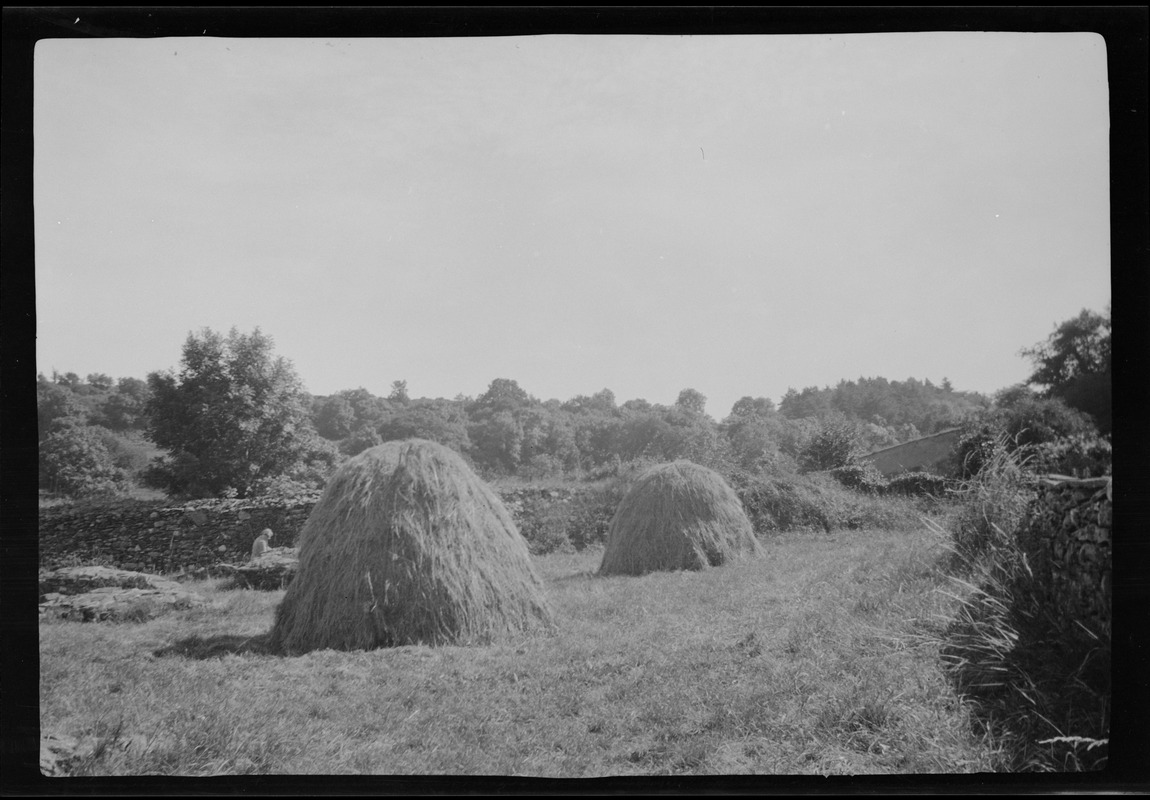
x: 234, y: 419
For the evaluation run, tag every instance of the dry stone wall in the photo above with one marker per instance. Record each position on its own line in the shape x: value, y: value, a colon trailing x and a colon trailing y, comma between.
x: 162, y: 538
x: 1067, y: 537
x: 158, y: 537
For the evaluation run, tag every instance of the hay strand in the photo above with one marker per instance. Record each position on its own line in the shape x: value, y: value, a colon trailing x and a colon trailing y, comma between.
x: 408, y: 546
x: 677, y: 516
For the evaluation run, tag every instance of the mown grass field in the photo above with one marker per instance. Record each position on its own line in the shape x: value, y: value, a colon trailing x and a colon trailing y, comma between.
x: 820, y: 658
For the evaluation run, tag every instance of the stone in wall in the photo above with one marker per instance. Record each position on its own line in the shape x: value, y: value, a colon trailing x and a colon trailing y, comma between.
x: 1067, y: 538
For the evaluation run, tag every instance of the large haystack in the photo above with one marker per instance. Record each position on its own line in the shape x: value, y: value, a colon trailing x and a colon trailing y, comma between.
x: 677, y: 516
x: 407, y: 545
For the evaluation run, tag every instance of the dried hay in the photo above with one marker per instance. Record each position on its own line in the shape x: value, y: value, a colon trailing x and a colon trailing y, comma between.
x: 677, y: 516
x: 408, y: 546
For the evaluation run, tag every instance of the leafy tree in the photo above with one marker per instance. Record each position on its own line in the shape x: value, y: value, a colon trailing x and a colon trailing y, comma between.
x: 752, y: 406
x: 752, y: 432
x: 334, y: 418
x: 311, y: 472
x: 498, y: 423
x: 1036, y: 420
x: 497, y: 441
x: 361, y: 439
x: 399, y: 393
x: 437, y: 420
x: 75, y: 461
x: 597, y: 437
x: 55, y: 403
x: 234, y: 415
x: 687, y: 433
x: 810, y: 402
x: 638, y: 404
x: 502, y: 395
x: 124, y: 408
x: 835, y: 443
x: 920, y: 404
x: 99, y: 380
x: 692, y: 400
x: 1074, y: 364
x: 69, y: 379
x: 602, y: 402
x: 1022, y: 420
x: 368, y: 409
x: 559, y: 441
x: 349, y: 413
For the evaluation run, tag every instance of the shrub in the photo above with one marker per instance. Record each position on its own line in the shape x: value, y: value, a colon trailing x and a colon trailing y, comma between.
x: 1076, y: 456
x: 862, y: 476
x: 75, y: 461
x: 544, y: 523
x: 778, y: 504
x: 818, y: 501
x: 918, y: 484
x: 834, y: 443
x: 975, y: 447
x: 590, y: 512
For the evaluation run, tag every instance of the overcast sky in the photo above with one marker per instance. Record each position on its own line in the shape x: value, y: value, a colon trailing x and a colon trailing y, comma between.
x: 733, y: 214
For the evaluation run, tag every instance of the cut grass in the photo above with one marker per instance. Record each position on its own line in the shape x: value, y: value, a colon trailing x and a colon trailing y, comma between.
x: 817, y: 659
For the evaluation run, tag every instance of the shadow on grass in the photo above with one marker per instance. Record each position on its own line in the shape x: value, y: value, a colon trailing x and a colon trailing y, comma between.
x: 205, y: 647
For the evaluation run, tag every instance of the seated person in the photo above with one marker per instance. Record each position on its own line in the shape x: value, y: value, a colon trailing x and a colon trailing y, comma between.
x: 261, y: 544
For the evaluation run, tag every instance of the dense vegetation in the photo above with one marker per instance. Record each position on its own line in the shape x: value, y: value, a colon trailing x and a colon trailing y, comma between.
x: 235, y: 420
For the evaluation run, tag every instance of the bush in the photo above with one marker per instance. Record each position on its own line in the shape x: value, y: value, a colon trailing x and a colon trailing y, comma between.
x: 975, y: 447
x: 862, y: 476
x: 543, y: 522
x: 818, y: 502
x: 834, y: 444
x: 919, y: 484
x: 75, y: 461
x: 777, y: 504
x: 1027, y: 423
x: 1076, y: 456
x: 569, y: 523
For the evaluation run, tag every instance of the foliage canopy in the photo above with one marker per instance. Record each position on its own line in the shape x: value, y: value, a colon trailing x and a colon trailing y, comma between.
x: 232, y: 416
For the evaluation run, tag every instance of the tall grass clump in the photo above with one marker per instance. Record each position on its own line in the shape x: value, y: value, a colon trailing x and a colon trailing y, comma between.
x: 407, y: 546
x: 993, y: 503
x: 677, y: 516
x: 1038, y: 680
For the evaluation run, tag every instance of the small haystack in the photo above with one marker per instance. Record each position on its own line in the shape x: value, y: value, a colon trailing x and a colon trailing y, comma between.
x: 677, y: 516
x: 408, y: 546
